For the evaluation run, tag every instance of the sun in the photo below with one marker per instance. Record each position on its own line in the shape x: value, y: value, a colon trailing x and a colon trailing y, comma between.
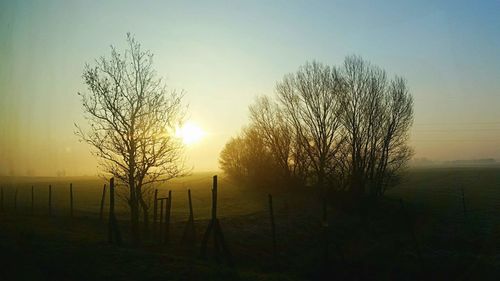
x: 190, y: 133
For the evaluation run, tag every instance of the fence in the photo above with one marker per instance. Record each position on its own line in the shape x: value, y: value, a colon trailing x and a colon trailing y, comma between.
x: 71, y: 201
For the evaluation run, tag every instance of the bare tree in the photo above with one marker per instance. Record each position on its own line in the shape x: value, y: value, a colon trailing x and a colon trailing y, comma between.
x: 395, y: 151
x: 309, y: 99
x: 346, y: 128
x: 376, y: 117
x: 269, y: 121
x: 131, y: 118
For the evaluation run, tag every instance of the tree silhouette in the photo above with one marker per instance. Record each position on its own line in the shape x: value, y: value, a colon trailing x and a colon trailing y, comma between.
x: 310, y: 101
x: 248, y: 160
x: 376, y: 117
x: 131, y: 119
x: 341, y: 128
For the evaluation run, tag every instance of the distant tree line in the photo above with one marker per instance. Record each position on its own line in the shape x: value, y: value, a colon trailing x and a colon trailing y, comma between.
x: 342, y: 128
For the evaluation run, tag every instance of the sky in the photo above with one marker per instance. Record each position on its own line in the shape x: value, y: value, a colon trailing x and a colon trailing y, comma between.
x: 223, y: 54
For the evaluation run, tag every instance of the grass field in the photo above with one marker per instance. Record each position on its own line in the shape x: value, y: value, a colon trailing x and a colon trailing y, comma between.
x: 87, y: 192
x: 380, y: 243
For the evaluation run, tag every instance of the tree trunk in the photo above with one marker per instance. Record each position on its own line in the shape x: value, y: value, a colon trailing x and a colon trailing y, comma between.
x: 145, y: 214
x: 134, y: 213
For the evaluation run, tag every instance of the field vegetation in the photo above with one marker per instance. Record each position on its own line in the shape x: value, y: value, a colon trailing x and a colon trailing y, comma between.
x: 430, y: 235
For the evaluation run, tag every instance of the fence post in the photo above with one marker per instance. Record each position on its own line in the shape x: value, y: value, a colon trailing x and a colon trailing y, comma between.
x: 167, y: 216
x: 111, y: 209
x: 214, y: 198
x: 191, y: 215
x: 103, y: 200
x: 113, y: 230
x: 273, y: 228
x: 160, y: 227
x: 155, y: 211
x: 50, y: 200
x: 71, y: 200
x: 189, y: 231
x: 214, y: 226
x: 15, y: 200
x: 206, y: 236
x: 32, y: 200
x: 160, y: 234
x: 214, y: 218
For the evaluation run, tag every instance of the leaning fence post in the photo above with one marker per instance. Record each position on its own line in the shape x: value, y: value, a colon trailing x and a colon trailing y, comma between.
x: 206, y: 236
x: 273, y: 227
x: 32, y: 200
x: 50, y: 200
x: 103, y: 198
x: 71, y: 200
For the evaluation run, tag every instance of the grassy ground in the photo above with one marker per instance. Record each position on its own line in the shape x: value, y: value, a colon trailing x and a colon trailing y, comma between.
x: 431, y: 237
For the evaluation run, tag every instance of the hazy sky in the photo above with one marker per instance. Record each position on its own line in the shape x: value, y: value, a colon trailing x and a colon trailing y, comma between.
x: 225, y: 53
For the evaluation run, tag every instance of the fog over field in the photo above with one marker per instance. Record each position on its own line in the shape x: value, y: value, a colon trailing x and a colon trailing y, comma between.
x: 249, y: 140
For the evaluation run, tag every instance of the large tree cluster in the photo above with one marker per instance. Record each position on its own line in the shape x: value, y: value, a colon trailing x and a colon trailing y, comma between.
x: 333, y: 127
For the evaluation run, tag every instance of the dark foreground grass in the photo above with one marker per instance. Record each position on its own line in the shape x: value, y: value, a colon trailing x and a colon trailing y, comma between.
x: 58, y: 249
x: 430, y: 238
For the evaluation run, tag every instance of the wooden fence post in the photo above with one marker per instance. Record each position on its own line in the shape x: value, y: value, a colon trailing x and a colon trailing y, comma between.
x: 206, y: 236
x: 273, y: 228
x: 71, y: 200
x: 189, y: 235
x: 191, y: 215
x: 50, y: 200
x: 15, y: 200
x: 214, y: 226
x: 160, y: 235
x: 111, y: 209
x: 155, y: 211
x: 167, y: 216
x: 113, y: 230
x: 103, y: 200
x: 32, y: 200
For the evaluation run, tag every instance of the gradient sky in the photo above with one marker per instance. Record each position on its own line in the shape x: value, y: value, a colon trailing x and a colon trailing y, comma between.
x: 225, y: 53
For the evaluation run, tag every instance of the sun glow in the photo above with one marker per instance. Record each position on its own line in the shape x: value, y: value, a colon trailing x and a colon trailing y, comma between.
x: 190, y: 133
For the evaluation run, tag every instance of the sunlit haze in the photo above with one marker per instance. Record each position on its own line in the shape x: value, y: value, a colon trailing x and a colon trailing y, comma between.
x: 190, y: 133
x: 223, y: 54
